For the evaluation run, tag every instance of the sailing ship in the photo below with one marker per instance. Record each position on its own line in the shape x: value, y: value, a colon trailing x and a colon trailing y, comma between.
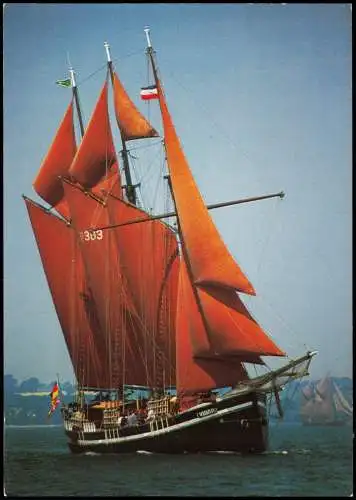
x: 145, y: 304
x: 323, y: 403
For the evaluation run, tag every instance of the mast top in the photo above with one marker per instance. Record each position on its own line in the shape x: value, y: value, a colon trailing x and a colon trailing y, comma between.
x: 72, y: 77
x: 147, y: 32
x: 107, y: 48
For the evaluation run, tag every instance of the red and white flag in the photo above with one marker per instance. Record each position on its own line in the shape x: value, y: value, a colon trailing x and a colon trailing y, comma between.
x: 149, y: 92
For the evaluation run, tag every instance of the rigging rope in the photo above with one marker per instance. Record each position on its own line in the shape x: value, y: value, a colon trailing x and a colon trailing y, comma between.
x: 104, y: 66
x: 147, y: 177
x: 198, y: 104
x: 272, y: 219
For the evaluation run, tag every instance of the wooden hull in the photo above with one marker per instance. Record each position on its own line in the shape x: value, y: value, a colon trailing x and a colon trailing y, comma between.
x: 235, y: 425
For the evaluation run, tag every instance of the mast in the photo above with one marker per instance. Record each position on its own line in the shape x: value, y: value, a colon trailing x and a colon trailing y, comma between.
x: 150, y: 52
x: 81, y: 125
x: 76, y: 99
x: 130, y: 188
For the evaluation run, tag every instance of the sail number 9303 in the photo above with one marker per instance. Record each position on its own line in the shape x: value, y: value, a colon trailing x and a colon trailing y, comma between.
x: 91, y: 235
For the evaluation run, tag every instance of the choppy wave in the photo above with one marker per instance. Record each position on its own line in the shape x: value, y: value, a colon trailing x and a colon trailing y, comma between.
x: 144, y: 452
x: 301, y: 451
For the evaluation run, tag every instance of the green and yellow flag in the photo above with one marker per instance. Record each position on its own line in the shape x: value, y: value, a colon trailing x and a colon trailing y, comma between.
x: 64, y: 83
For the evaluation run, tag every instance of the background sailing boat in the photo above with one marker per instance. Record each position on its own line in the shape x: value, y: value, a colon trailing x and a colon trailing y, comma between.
x: 323, y: 403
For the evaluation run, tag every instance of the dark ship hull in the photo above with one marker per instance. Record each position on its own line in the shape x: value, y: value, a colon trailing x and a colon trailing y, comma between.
x: 236, y: 424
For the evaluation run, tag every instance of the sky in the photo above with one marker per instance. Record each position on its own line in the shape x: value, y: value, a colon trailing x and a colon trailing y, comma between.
x: 260, y: 95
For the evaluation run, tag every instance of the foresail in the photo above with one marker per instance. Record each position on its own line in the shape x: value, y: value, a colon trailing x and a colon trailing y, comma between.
x: 210, y: 261
x: 57, y: 163
x: 132, y: 123
x: 96, y: 155
x: 63, y: 267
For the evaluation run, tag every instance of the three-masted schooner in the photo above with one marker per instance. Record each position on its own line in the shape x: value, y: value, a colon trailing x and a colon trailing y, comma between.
x: 144, y: 304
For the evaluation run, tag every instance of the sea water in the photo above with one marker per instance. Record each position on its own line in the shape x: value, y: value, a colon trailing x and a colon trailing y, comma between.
x: 301, y: 461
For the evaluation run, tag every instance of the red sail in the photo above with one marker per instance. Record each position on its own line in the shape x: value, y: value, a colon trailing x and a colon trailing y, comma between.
x: 57, y: 162
x: 63, y: 267
x: 96, y: 154
x: 198, y: 374
x: 116, y: 313
x: 231, y: 328
x: 223, y: 326
x: 210, y: 261
x: 110, y: 184
x: 146, y: 252
x: 132, y: 123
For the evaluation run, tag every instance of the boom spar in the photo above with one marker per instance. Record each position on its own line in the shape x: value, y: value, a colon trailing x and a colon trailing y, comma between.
x: 281, y: 195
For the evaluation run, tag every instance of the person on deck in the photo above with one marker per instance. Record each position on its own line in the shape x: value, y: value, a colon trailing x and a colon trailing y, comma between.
x: 150, y: 415
x: 142, y: 416
x: 123, y: 421
x: 132, y: 419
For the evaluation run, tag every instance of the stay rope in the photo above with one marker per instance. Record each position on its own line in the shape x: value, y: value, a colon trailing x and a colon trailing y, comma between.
x: 104, y: 66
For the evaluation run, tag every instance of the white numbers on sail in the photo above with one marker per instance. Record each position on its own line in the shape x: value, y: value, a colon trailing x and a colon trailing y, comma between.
x: 91, y: 235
